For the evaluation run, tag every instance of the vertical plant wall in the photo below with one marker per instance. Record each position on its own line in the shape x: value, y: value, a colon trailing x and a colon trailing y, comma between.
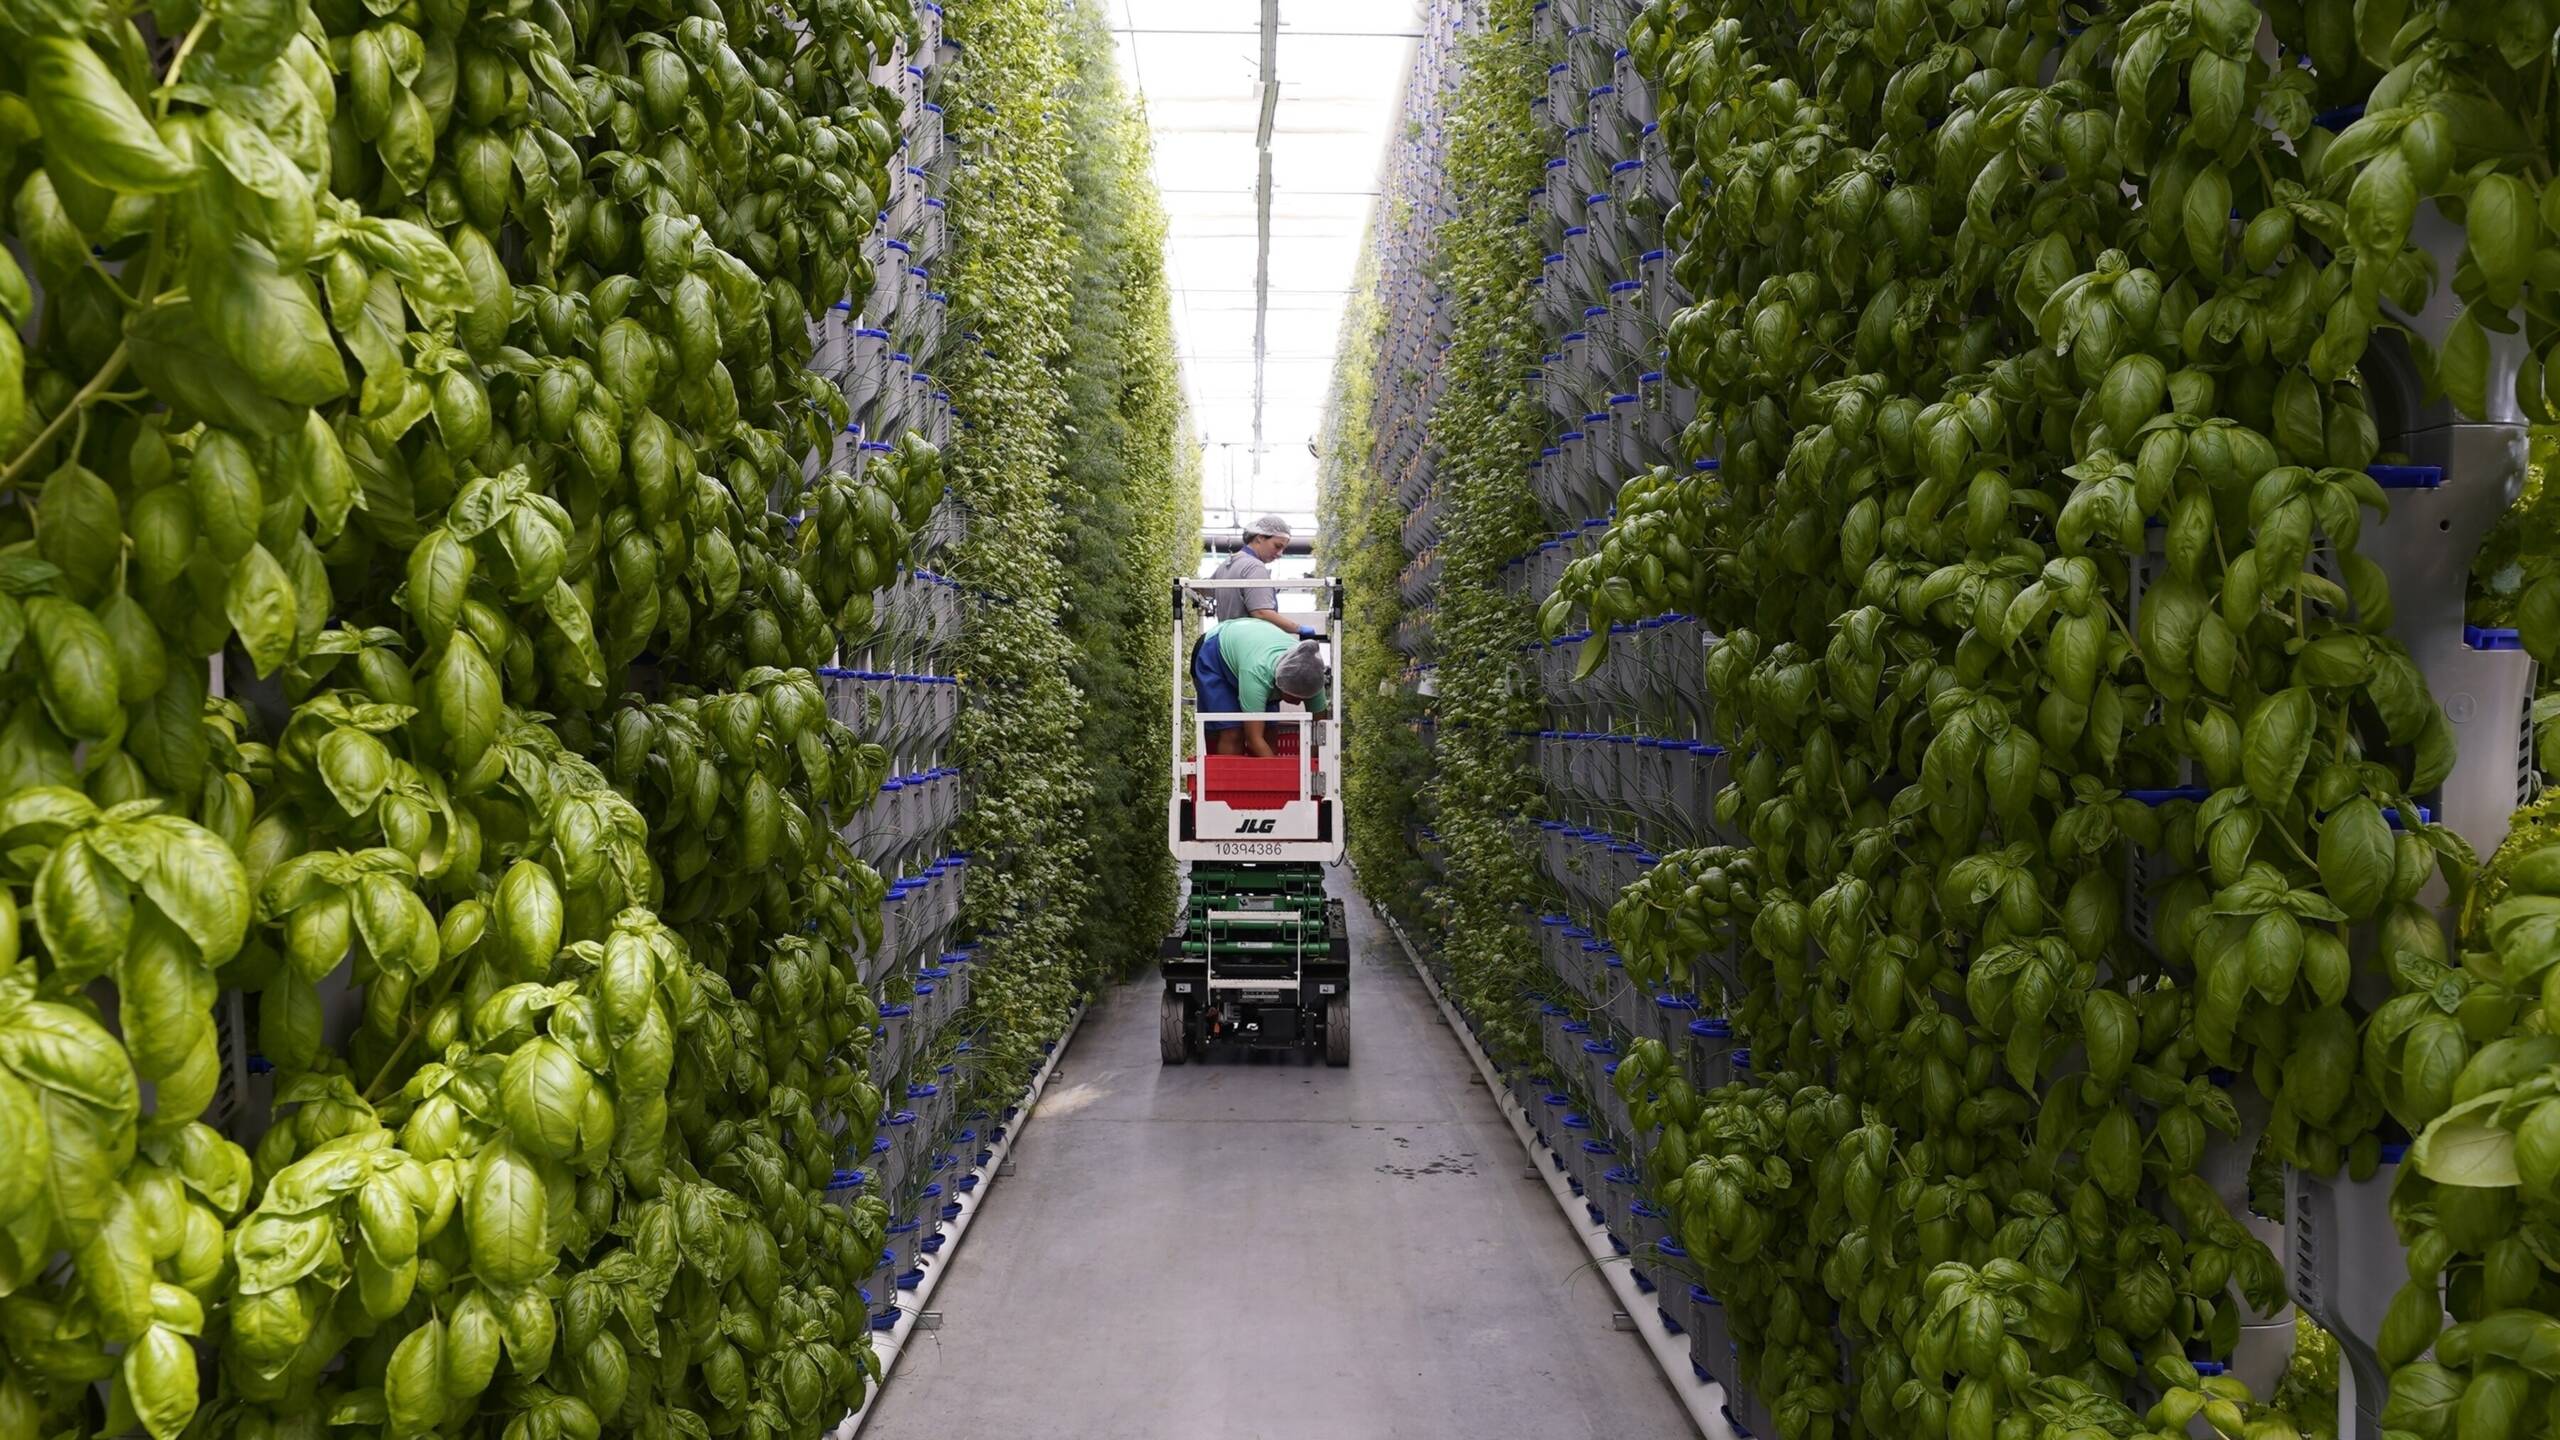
x: 1068, y: 475
x: 1384, y: 504
x: 1364, y: 545
x: 1126, y: 485
x: 2094, y: 414
x: 426, y: 988
x: 1012, y: 286
x: 1947, y: 432
x: 1482, y: 434
x: 434, y: 972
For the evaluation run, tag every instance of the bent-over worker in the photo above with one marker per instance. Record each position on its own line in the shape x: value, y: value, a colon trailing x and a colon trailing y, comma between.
x: 1251, y: 669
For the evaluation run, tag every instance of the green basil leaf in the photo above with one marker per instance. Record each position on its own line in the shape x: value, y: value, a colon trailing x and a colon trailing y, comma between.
x: 413, y: 1385
x: 261, y: 607
x: 160, y: 1379
x: 199, y: 883
x: 355, y: 767
x: 184, y: 365
x: 82, y: 912
x: 78, y: 681
x: 503, y: 1206
x: 166, y: 733
x: 464, y: 699
x: 2464, y: 1147
x: 212, y: 1166
x: 2503, y: 222
x: 2462, y: 366
x: 2356, y: 857
x: 92, y: 128
x: 114, y: 1261
x: 327, y: 483
x: 86, y: 1091
x: 22, y: 1124
x: 268, y: 321
x: 83, y: 528
x: 2275, y: 743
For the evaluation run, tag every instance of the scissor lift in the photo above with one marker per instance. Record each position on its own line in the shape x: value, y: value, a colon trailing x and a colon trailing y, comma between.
x: 1262, y: 959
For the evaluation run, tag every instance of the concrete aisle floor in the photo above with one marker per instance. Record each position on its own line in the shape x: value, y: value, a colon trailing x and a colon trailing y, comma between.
x: 1274, y: 1250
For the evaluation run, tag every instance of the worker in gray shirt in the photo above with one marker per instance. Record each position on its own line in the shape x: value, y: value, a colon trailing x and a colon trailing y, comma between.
x: 1263, y: 542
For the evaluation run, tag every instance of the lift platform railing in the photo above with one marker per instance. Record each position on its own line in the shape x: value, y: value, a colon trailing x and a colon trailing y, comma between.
x: 1307, y: 747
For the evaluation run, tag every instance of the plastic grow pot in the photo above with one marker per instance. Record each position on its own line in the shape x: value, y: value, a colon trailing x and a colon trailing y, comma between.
x: 1636, y: 450
x: 1635, y: 95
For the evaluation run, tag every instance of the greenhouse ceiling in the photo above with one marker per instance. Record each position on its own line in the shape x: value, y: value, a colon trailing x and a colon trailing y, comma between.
x: 1270, y: 120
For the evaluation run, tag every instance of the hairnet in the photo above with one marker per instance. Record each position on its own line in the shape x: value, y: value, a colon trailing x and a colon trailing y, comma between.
x: 1301, y: 672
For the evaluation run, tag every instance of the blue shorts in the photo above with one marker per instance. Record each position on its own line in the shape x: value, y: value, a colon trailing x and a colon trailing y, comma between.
x: 1216, y: 687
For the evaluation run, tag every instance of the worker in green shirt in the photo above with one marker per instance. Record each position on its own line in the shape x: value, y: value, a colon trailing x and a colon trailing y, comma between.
x: 1250, y: 669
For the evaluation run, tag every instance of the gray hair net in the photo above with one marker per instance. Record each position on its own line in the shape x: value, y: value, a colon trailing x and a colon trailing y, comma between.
x: 1301, y: 672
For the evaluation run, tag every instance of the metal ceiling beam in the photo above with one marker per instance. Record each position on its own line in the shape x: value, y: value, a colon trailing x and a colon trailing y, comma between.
x: 1226, y: 95
x: 1296, y: 231
x: 1262, y: 130
x: 1319, y: 308
x: 1268, y: 27
x: 1262, y: 214
x: 1218, y: 542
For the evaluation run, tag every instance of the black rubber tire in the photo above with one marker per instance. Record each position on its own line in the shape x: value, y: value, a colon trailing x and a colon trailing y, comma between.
x: 1337, y: 1031
x: 1175, y: 1030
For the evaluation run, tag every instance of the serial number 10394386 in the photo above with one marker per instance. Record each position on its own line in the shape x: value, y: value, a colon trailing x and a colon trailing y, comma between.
x: 1247, y: 847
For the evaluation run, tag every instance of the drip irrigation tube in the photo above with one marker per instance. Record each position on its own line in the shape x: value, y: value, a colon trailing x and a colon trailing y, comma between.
x: 1703, y: 1399
x: 889, y: 1344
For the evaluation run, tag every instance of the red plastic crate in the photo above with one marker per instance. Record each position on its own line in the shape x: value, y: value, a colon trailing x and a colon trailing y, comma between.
x: 1249, y: 782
